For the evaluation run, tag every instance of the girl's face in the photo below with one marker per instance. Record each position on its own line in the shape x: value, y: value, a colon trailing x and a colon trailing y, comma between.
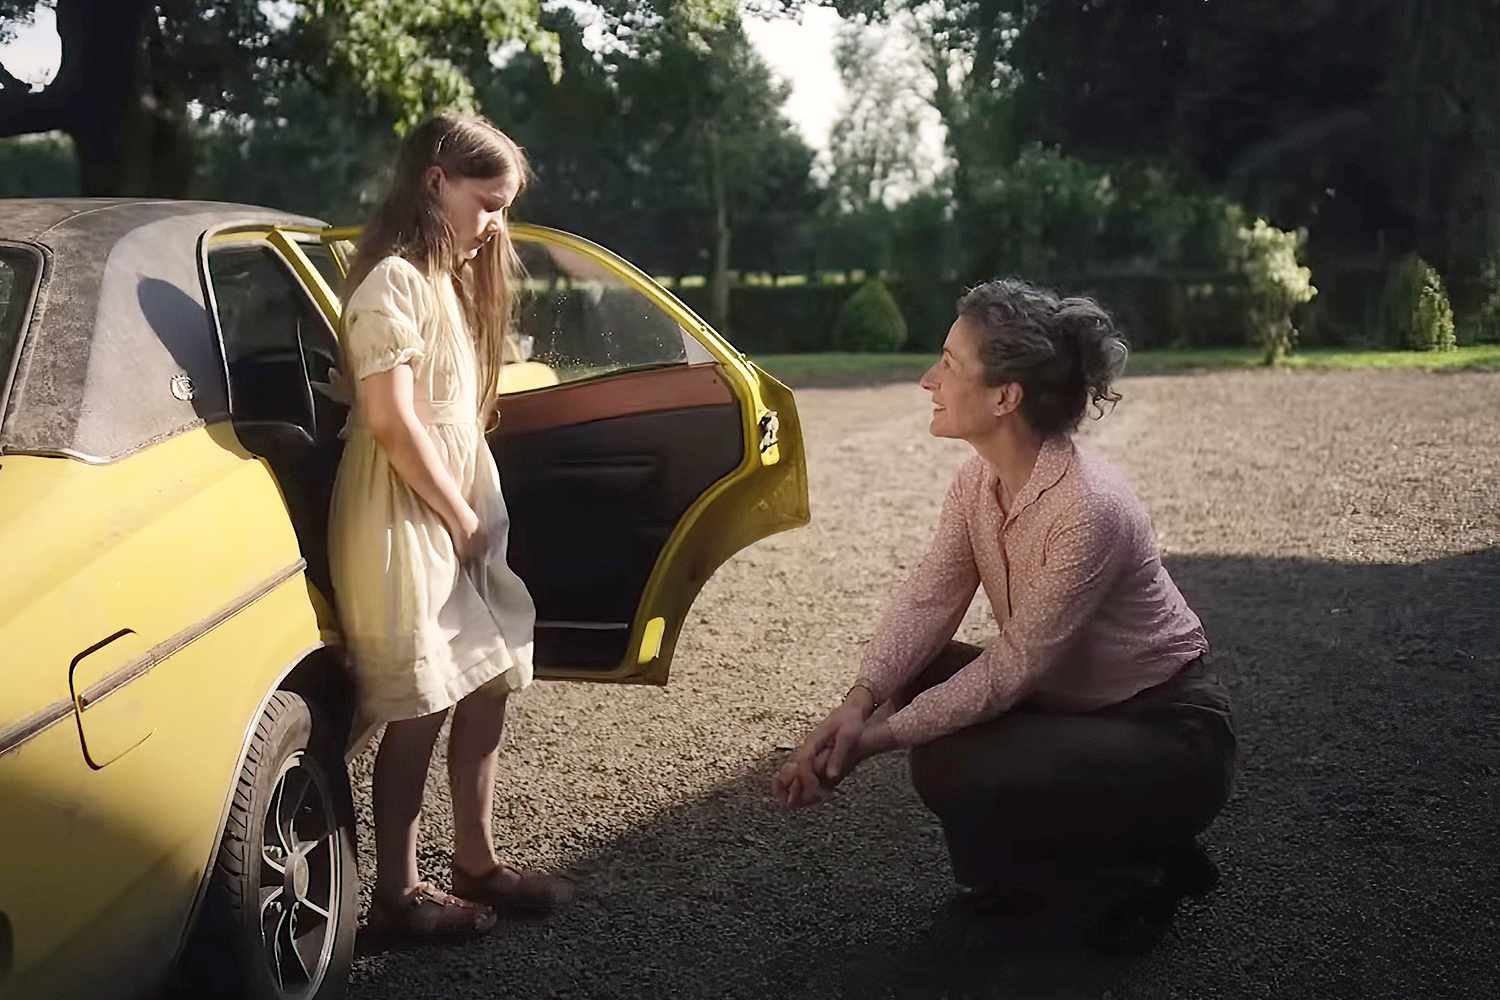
x: 475, y: 207
x: 962, y: 405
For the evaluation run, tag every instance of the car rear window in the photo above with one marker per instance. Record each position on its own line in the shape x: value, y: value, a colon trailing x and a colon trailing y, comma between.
x: 18, y: 271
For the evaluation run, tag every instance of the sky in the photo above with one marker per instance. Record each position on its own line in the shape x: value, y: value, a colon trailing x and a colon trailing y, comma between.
x: 800, y: 52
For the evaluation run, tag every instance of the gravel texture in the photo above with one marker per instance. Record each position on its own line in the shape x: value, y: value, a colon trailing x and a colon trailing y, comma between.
x: 1339, y: 534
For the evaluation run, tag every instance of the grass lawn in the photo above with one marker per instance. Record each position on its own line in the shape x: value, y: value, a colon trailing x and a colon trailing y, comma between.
x: 868, y: 369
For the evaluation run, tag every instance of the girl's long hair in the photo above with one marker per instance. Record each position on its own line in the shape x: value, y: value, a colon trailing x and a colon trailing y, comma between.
x: 410, y: 223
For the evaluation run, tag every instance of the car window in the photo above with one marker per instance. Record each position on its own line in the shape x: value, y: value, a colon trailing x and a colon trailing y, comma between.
x: 18, y: 270
x: 321, y: 258
x: 275, y: 339
x: 584, y: 320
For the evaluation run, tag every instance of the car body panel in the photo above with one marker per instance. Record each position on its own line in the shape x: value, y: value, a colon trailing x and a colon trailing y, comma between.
x: 128, y: 793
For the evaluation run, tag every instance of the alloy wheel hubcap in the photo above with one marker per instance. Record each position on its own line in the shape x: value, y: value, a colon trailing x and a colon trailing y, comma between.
x: 300, y: 874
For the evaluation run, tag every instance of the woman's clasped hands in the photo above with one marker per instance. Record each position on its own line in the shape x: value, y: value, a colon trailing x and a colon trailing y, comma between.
x: 849, y: 735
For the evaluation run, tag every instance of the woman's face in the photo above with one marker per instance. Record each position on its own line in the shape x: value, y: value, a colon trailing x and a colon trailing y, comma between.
x: 962, y: 405
x: 475, y: 207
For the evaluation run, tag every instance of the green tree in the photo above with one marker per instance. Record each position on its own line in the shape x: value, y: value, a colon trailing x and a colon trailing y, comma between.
x: 1041, y: 214
x: 621, y: 145
x: 574, y: 130
x: 705, y: 113
x: 965, y: 47
x: 305, y: 152
x: 132, y: 69
x: 1374, y: 125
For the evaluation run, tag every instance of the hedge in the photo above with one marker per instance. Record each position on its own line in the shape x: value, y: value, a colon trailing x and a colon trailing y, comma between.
x: 1154, y: 310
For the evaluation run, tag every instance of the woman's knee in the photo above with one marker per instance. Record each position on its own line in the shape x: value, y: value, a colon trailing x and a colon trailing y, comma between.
x: 938, y: 775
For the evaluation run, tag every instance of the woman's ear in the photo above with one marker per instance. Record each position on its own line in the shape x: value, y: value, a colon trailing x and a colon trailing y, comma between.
x: 1008, y: 399
x: 433, y: 178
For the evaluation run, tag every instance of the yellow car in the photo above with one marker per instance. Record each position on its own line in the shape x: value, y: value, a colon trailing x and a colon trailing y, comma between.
x: 174, y: 709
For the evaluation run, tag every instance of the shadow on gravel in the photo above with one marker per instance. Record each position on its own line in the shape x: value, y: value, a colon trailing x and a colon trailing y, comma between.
x: 1358, y: 852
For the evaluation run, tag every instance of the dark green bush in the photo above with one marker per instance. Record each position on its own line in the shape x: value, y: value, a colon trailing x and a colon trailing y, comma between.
x: 870, y: 321
x: 38, y: 166
x: 1481, y: 323
x: 1157, y: 310
x: 1415, y: 313
x: 929, y: 308
x: 785, y: 319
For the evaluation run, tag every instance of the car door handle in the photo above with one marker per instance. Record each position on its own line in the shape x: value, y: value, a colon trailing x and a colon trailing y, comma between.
x: 770, y: 429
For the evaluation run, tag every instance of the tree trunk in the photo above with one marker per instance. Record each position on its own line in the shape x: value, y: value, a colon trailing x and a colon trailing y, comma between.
x: 718, y: 287
x: 129, y: 137
x: 133, y: 138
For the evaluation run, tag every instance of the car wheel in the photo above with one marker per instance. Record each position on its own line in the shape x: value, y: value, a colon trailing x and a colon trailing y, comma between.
x: 279, y: 916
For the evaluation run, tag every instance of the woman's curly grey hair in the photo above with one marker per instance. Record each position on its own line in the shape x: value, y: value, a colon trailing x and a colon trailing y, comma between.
x: 1065, y: 352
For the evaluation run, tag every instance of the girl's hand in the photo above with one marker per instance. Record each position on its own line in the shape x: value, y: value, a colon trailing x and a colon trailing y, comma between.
x: 469, y: 537
x: 387, y: 399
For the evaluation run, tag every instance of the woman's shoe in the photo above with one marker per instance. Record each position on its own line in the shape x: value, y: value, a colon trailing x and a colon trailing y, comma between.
x: 1000, y: 901
x: 507, y: 888
x: 1143, y: 904
x: 1191, y: 871
x: 1134, y: 924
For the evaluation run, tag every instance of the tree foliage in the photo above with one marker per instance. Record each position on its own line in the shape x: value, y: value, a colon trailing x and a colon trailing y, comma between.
x: 132, y: 69
x: 705, y: 112
x: 1371, y: 124
x: 416, y: 57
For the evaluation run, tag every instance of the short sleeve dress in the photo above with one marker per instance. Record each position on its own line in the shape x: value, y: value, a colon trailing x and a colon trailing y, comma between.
x: 422, y: 630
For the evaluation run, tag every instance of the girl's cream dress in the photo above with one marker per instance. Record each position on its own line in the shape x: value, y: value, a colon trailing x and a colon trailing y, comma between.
x: 422, y: 630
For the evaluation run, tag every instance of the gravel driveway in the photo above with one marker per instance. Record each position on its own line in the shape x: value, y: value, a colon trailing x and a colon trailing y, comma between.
x: 1339, y: 534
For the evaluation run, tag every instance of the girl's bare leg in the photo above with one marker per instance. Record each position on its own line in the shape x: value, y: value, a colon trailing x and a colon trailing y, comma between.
x: 400, y: 779
x: 473, y: 747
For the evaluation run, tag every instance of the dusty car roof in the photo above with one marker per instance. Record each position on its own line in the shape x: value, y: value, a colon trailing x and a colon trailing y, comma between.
x: 120, y: 315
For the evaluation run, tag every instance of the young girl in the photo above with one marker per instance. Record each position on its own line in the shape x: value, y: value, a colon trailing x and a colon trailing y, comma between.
x: 433, y: 616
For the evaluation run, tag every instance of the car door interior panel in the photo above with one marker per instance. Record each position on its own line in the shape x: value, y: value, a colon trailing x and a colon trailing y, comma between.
x: 592, y: 503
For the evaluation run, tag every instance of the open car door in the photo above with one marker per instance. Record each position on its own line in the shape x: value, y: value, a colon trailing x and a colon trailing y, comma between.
x: 638, y: 450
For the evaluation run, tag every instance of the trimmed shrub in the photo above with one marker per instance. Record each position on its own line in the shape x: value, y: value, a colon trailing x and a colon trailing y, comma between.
x: 1415, y: 311
x: 870, y: 321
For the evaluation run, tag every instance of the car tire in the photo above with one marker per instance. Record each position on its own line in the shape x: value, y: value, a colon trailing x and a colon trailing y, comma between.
x: 279, y: 915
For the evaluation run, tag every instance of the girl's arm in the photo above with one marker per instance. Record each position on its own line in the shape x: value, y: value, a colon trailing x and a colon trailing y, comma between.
x: 392, y: 419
